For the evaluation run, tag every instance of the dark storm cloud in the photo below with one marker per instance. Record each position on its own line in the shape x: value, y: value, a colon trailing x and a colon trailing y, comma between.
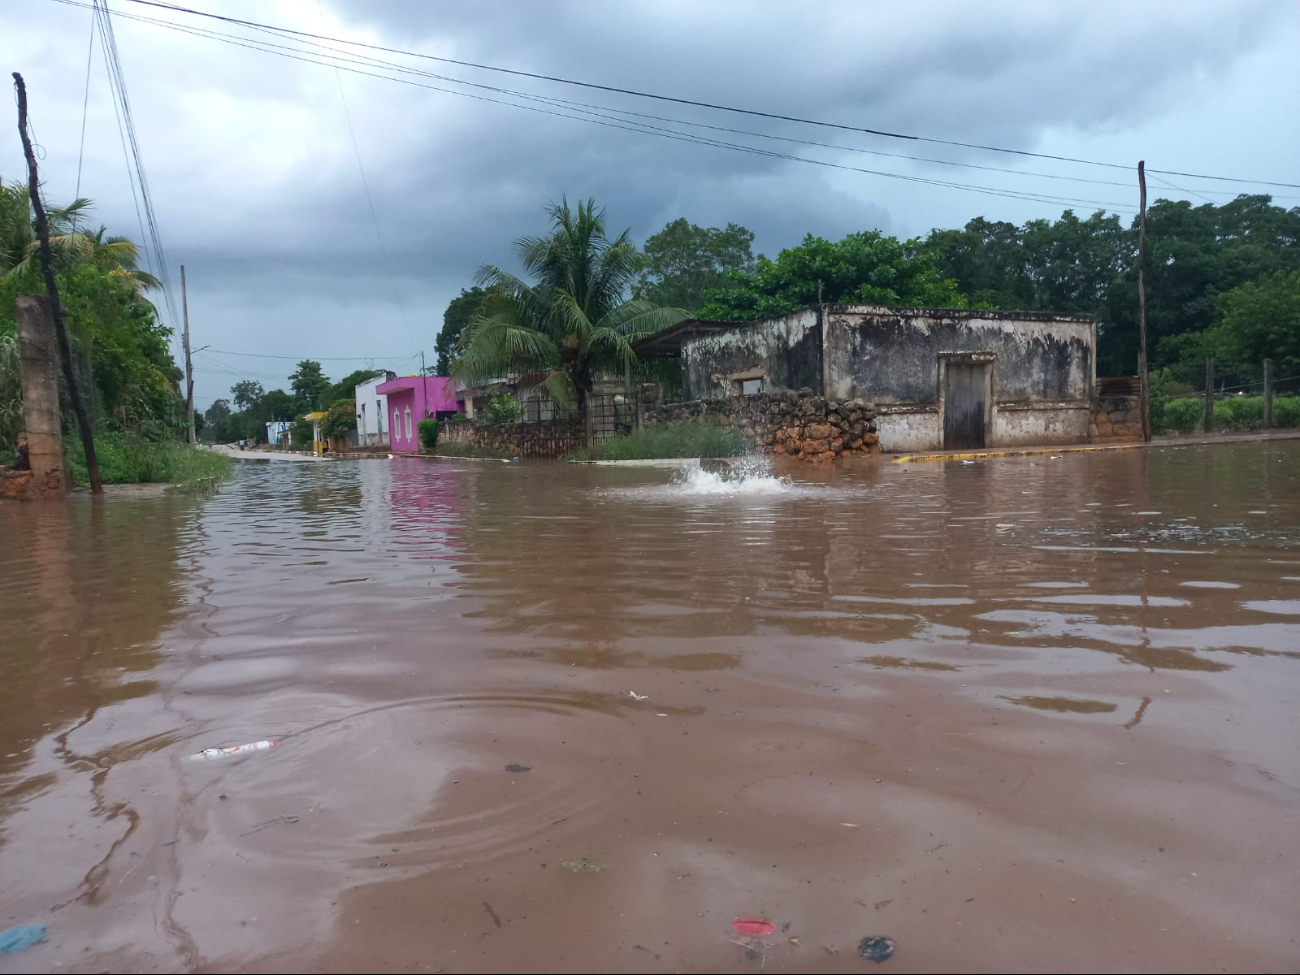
x: 258, y: 191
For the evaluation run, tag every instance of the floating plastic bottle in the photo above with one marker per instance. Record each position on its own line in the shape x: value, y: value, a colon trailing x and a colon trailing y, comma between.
x: 252, y: 746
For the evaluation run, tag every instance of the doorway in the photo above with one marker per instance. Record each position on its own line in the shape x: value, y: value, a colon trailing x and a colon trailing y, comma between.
x: 964, y: 405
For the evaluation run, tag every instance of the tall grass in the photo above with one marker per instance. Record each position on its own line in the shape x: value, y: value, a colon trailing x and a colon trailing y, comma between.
x: 11, y: 396
x: 1231, y: 414
x: 704, y: 438
x: 125, y: 459
x: 450, y: 448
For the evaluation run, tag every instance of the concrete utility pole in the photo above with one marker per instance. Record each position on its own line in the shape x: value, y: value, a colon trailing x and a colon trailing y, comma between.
x: 1209, y: 394
x: 56, y: 306
x: 40, y: 395
x: 1144, y: 378
x: 189, y: 368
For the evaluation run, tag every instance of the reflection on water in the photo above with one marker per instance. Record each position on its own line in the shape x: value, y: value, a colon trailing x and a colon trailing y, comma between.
x: 745, y: 691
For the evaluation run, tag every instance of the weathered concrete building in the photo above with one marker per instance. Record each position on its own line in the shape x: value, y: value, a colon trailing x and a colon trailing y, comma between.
x: 939, y: 378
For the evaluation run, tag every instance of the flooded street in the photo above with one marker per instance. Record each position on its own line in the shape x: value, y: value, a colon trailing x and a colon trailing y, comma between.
x: 1024, y: 714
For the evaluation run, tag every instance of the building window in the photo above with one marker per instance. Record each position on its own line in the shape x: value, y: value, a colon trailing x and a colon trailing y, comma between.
x: 410, y: 430
x: 379, y: 415
x: 361, y: 427
x: 751, y: 387
x: 397, y: 424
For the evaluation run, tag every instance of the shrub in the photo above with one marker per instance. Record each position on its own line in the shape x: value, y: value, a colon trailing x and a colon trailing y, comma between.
x: 686, y: 438
x: 501, y: 408
x: 458, y: 416
x: 1179, y: 416
x: 127, y: 459
x: 1286, y: 411
x: 1239, y: 413
x: 428, y: 432
x: 339, y: 419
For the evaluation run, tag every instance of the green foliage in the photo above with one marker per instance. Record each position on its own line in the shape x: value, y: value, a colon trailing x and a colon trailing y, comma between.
x: 310, y: 386
x: 427, y: 429
x: 11, y: 396
x: 501, y: 408
x: 704, y: 438
x: 129, y: 459
x: 1232, y: 414
x: 1178, y: 416
x: 346, y: 388
x: 450, y: 448
x: 217, y: 427
x: 301, y: 434
x: 246, y: 392
x: 339, y: 419
x: 683, y: 261
x: 1260, y: 320
x: 863, y: 268
x: 572, y: 321
x: 460, y: 312
x: 458, y: 416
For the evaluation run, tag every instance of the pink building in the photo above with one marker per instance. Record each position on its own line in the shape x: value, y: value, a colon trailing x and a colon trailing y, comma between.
x: 410, y: 400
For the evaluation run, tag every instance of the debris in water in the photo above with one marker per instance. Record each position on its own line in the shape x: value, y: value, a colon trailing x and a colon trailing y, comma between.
x: 496, y: 918
x: 252, y: 746
x: 877, y: 948
x: 582, y: 865
x: 753, y: 926
x: 638, y: 697
x: 516, y: 767
x: 21, y: 938
x: 287, y: 820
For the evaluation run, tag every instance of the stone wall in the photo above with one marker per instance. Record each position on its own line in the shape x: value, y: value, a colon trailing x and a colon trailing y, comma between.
x: 797, y: 424
x: 552, y: 438
x: 1116, y: 419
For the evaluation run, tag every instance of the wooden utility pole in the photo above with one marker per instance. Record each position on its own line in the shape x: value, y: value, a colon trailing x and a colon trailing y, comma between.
x: 189, y: 368
x: 51, y: 286
x: 1144, y: 377
x: 1209, y: 394
x: 1268, y: 393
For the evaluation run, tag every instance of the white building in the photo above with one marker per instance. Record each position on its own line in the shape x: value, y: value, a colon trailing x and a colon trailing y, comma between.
x: 372, y: 409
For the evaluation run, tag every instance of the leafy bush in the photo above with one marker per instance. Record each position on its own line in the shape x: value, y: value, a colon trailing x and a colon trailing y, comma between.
x: 428, y: 432
x: 128, y: 459
x: 1231, y: 414
x: 339, y: 419
x: 11, y: 396
x: 501, y: 408
x: 458, y: 416
x: 1178, y: 416
x: 705, y: 438
x: 301, y: 433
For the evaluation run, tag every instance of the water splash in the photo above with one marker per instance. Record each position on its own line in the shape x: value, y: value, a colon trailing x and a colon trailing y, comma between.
x: 749, y: 476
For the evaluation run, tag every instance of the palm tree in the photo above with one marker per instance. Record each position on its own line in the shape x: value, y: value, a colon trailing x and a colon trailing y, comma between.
x: 69, y: 246
x: 573, y: 322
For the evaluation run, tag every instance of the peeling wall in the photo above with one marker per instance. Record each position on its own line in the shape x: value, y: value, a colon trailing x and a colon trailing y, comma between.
x: 1043, y: 367
x: 785, y: 352
x: 892, y: 355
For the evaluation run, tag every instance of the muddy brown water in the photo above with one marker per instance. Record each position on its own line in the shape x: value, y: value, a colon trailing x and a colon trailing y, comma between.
x: 1022, y: 715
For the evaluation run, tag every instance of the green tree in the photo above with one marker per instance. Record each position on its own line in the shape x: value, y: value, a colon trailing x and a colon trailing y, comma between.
x: 346, y: 388
x: 309, y: 384
x: 573, y: 321
x: 216, y: 421
x: 247, y: 393
x: 863, y: 268
x: 1260, y: 320
x: 460, y: 312
x: 684, y: 260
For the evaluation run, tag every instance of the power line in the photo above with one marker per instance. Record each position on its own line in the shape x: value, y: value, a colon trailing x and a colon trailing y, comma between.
x: 365, y: 184
x: 700, y: 104
x: 321, y: 358
x: 634, y: 127
x: 85, y: 105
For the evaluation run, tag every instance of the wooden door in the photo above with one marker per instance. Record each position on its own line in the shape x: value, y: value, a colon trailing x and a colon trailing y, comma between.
x: 963, y: 406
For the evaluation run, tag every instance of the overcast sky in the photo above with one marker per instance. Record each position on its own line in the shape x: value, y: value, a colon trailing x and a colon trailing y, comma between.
x: 257, y: 188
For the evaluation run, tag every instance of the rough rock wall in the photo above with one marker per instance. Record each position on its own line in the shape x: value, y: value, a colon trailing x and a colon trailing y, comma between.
x: 797, y: 424
x: 1116, y: 419
x: 553, y: 438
